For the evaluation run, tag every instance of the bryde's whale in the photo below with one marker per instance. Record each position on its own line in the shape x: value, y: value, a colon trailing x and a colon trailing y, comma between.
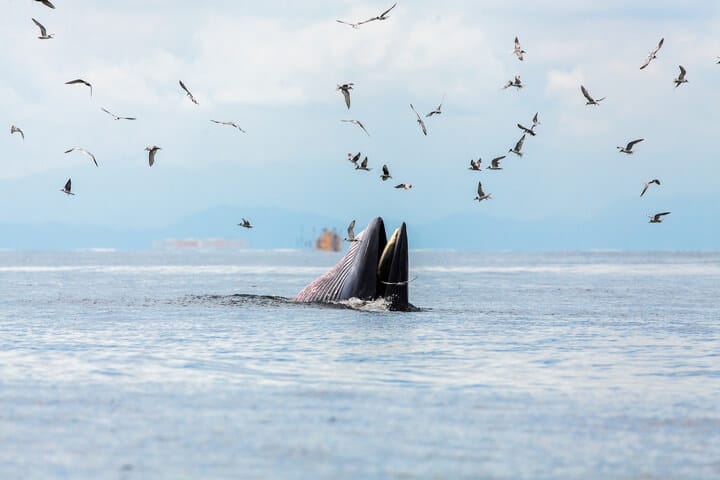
x: 373, y: 267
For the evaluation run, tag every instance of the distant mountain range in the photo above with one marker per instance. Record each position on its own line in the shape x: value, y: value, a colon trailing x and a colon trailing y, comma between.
x: 474, y: 230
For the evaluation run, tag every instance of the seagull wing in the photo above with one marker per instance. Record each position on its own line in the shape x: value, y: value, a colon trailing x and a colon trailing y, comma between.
x: 367, y: 21
x: 658, y: 215
x: 351, y: 230
x: 80, y: 149
x: 586, y: 94
x: 47, y: 3
x: 68, y: 185
x: 416, y: 113
x: 90, y: 155
x: 535, y: 119
x: 419, y: 120
x: 422, y: 126
x: 659, y: 46
x: 151, y: 156
x: 359, y: 124
x: 80, y: 81
x: 353, y: 25
x: 630, y: 145
x: 382, y: 15
x: 43, y: 31
x: 182, y: 85
x: 519, y: 144
x: 682, y: 73
x: 386, y: 170
x: 496, y: 161
x: 109, y: 113
x: 480, y: 190
x: 646, y: 62
x: 645, y: 187
x: 346, y: 94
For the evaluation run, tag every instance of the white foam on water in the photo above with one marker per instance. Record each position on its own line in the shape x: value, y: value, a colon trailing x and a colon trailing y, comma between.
x: 377, y: 305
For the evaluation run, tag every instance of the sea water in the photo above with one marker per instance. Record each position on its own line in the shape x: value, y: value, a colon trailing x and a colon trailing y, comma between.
x: 191, y: 364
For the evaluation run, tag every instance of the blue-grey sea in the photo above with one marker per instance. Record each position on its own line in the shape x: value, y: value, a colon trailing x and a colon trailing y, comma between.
x: 191, y: 364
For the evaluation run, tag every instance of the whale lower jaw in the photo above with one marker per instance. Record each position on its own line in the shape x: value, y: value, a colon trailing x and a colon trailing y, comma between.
x: 373, y: 268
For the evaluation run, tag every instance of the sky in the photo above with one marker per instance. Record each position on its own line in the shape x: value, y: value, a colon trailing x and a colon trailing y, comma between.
x: 273, y: 66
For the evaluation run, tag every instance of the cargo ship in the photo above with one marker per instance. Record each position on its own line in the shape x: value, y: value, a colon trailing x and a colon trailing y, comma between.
x: 328, y: 241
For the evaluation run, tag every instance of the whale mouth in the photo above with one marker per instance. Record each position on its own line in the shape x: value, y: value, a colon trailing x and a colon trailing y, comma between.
x: 392, y: 270
x: 373, y: 267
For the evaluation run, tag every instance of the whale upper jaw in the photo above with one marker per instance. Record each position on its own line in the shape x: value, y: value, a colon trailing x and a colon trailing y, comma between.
x: 373, y: 267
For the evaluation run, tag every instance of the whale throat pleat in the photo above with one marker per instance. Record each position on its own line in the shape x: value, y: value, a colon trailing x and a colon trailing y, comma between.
x: 329, y: 286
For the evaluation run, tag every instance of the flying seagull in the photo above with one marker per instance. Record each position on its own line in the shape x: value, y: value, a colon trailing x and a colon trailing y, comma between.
x: 530, y: 131
x: 230, y: 124
x: 43, y: 31
x: 590, y: 100
x: 245, y: 224
x: 116, y: 117
x: 647, y: 184
x: 518, y: 146
x: 652, y: 55
x: 345, y: 89
x: 481, y: 194
x: 382, y: 16
x: 351, y: 233
x: 354, y: 158
x: 189, y: 95
x: 47, y: 3
x: 358, y: 123
x: 657, y: 218
x: 628, y: 148
x: 67, y: 187
x: 518, y: 50
x: 363, y: 165
x: 419, y: 120
x: 517, y: 83
x: 404, y: 186
x: 495, y: 163
x: 80, y: 81
x: 681, y: 78
x: 151, y: 156
x: 438, y: 109
x: 475, y: 165
x: 14, y: 129
x: 79, y: 149
x: 386, y: 173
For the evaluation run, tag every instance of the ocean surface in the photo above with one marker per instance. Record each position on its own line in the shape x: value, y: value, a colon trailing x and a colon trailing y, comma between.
x: 192, y: 364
